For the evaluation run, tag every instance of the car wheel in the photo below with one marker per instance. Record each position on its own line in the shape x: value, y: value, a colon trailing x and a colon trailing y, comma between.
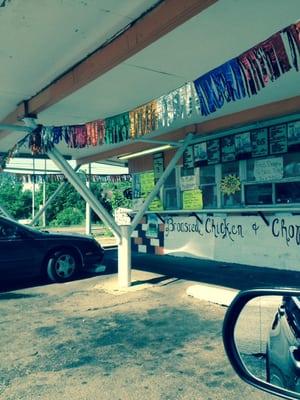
x: 62, y: 266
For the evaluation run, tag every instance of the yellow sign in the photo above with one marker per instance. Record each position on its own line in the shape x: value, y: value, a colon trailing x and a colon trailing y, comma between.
x: 147, y: 182
x: 192, y: 199
x: 156, y: 205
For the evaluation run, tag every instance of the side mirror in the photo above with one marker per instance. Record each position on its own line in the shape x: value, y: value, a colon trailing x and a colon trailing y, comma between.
x: 261, y: 335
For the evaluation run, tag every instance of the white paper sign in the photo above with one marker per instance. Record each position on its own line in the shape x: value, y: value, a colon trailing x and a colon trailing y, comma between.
x: 187, y: 182
x: 268, y: 169
x: 122, y: 217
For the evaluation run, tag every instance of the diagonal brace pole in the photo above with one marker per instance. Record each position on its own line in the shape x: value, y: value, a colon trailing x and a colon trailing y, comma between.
x: 50, y: 200
x: 161, y: 181
x: 87, y: 195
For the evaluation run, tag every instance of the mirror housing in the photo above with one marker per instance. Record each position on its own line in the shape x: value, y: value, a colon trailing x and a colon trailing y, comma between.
x: 231, y: 349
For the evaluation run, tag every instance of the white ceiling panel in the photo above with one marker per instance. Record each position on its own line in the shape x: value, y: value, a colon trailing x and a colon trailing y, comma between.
x: 41, y: 39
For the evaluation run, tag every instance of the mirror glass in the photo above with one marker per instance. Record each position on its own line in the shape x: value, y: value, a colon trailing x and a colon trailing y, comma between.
x: 267, y: 335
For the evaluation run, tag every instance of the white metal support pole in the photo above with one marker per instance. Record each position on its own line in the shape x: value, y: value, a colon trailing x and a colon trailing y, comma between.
x: 50, y: 200
x: 124, y: 258
x: 33, y: 189
x: 124, y: 249
x: 44, y: 196
x: 161, y: 181
x: 86, y: 194
x: 88, y: 224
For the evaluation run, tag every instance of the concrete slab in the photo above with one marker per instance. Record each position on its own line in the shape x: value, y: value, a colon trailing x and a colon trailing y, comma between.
x: 140, y: 281
x: 214, y: 294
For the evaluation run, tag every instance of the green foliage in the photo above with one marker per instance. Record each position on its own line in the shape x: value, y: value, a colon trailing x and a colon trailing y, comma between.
x: 68, y: 206
x: 69, y: 216
x: 16, y: 201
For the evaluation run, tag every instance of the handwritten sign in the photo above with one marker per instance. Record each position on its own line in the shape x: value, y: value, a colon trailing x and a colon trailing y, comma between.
x: 192, y: 199
x: 122, y: 217
x: 188, y: 182
x: 156, y: 205
x: 268, y: 169
x: 146, y: 182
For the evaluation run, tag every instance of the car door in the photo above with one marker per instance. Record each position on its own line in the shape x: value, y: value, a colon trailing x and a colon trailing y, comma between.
x: 17, y: 253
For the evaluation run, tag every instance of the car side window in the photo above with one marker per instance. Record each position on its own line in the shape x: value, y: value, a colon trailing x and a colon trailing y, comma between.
x: 8, y: 231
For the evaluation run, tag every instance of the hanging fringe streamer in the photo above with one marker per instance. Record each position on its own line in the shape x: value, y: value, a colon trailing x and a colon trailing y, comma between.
x: 243, y: 76
x: 39, y: 178
x: 175, y: 105
x: 143, y: 120
x: 224, y: 83
x: 95, y: 132
x: 250, y: 72
x: 35, y: 140
x: 117, y: 128
x: 293, y: 34
x: 5, y: 158
x: 264, y: 63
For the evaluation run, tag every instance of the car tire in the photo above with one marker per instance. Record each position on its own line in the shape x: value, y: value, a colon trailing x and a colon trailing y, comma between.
x: 62, y: 266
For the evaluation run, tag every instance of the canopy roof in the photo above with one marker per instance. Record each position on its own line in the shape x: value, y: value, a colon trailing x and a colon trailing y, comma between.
x: 42, y: 40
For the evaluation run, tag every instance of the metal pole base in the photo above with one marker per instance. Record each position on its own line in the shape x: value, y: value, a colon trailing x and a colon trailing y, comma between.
x: 124, y: 258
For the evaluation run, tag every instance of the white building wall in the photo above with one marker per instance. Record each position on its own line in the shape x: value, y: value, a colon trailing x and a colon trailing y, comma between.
x: 237, y: 239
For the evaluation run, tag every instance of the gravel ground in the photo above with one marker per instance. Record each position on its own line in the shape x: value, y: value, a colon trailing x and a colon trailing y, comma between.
x: 86, y: 340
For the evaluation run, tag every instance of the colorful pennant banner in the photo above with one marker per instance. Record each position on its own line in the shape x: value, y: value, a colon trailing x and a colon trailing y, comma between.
x: 238, y: 78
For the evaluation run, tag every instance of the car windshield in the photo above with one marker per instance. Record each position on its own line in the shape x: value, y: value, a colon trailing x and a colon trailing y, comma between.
x: 27, y: 227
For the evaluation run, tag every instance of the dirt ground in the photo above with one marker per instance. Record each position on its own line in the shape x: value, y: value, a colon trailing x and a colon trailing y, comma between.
x: 86, y: 340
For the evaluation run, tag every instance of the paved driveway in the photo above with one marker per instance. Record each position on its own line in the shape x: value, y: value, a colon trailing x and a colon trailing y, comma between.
x: 87, y: 340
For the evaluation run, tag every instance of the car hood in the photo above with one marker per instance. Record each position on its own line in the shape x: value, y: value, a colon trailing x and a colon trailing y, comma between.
x: 57, y: 235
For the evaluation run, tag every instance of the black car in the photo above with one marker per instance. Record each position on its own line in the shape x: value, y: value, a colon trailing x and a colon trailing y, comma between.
x: 283, y: 348
x: 27, y: 252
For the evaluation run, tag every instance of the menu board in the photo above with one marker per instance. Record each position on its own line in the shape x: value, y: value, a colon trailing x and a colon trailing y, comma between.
x: 242, y: 145
x: 158, y: 165
x: 278, y: 139
x: 188, y: 157
x: 192, y: 200
x: 213, y: 151
x: 259, y: 142
x: 228, y: 148
x: 200, y: 154
x: 293, y: 136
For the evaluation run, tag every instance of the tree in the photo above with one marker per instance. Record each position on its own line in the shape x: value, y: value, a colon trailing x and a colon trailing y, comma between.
x: 17, y: 202
x: 67, y: 203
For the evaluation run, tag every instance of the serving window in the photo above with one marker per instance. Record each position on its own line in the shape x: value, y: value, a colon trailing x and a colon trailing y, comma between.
x: 232, y: 199
x: 170, y: 192
x: 273, y: 180
x: 208, y: 186
x: 249, y: 168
